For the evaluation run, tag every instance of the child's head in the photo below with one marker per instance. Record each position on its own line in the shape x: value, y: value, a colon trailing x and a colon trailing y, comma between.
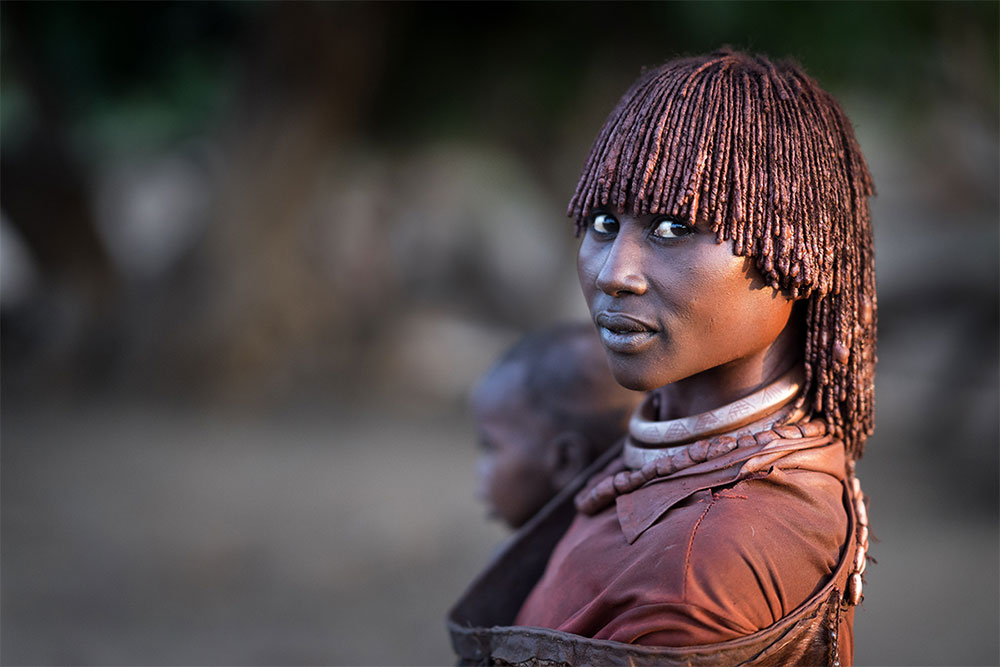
x: 756, y: 154
x: 544, y: 411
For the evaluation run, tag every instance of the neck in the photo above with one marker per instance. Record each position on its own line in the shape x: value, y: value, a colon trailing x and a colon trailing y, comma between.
x: 732, y: 381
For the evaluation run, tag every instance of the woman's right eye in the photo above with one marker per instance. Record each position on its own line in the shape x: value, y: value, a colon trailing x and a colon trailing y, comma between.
x: 603, y: 223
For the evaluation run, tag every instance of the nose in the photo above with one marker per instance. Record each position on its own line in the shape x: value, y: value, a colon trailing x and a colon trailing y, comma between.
x: 621, y: 272
x: 484, y: 469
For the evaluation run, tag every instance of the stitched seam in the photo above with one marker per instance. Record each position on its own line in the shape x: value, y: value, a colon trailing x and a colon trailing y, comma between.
x: 687, y: 556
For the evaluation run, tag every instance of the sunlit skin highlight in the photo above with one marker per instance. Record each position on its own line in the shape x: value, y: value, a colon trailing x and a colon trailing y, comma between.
x: 680, y: 314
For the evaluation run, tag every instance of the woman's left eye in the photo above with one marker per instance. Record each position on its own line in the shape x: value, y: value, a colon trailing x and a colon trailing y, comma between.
x: 667, y: 228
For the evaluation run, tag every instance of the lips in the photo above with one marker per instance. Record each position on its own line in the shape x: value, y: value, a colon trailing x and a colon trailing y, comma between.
x: 623, y: 333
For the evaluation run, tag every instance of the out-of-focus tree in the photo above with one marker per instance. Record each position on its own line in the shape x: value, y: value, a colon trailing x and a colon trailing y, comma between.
x: 253, y: 196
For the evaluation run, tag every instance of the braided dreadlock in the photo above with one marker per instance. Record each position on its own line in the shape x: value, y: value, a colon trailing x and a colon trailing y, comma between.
x: 769, y: 160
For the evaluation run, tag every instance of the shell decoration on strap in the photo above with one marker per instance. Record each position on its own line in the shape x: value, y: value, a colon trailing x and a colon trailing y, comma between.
x: 854, y: 595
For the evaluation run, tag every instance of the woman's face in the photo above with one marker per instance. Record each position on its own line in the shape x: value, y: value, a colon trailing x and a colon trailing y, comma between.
x: 670, y: 303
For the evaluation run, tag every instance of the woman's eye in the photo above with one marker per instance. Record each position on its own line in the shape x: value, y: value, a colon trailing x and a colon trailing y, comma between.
x: 604, y: 224
x: 670, y: 229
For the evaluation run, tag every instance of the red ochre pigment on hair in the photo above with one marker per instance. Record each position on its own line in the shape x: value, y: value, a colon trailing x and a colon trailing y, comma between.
x: 766, y: 157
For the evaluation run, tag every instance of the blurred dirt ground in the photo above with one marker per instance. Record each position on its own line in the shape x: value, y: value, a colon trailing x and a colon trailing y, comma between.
x: 144, y: 534
x: 166, y: 537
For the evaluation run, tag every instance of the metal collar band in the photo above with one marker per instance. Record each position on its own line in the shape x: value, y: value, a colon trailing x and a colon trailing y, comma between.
x: 644, y: 431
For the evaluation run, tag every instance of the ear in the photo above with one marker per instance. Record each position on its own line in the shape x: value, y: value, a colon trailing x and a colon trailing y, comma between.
x: 566, y: 457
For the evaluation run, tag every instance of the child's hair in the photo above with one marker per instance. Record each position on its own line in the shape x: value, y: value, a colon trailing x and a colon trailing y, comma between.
x: 766, y: 157
x: 567, y: 380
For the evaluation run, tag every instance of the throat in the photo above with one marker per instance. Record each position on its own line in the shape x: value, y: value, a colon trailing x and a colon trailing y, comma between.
x: 713, y: 390
x: 732, y: 381
x: 767, y: 401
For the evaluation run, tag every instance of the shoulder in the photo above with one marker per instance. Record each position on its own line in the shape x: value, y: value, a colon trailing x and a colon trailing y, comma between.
x: 776, y: 518
x: 764, y: 546
x: 750, y: 554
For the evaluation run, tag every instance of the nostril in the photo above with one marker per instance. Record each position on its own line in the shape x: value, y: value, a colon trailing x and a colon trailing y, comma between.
x: 615, y: 284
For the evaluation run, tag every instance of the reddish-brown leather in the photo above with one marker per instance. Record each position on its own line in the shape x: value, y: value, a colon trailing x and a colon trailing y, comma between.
x: 749, y: 572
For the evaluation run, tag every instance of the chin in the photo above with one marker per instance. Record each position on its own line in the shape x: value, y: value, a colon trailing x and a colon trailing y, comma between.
x: 631, y: 380
x: 635, y: 372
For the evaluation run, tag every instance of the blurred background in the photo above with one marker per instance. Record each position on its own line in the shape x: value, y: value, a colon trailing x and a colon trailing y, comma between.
x: 255, y: 254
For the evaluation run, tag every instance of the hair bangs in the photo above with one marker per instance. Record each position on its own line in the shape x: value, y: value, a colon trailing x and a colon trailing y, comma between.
x: 769, y: 160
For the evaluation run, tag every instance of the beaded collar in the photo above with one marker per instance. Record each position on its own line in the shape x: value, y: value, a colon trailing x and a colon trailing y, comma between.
x: 757, y: 412
x: 753, y: 421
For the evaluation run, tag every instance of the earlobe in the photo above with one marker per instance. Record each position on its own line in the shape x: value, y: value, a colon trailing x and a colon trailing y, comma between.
x: 567, y: 457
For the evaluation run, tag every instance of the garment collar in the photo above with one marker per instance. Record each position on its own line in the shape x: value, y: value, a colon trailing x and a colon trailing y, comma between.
x: 640, y: 509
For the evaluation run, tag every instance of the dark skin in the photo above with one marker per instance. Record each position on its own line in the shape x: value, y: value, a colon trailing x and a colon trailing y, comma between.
x: 679, y: 314
x: 525, y: 459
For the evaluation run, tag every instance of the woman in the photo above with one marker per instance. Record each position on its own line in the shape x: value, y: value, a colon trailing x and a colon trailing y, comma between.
x: 727, y: 263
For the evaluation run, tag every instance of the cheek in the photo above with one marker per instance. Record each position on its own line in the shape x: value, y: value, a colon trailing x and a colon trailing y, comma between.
x: 500, y: 474
x: 729, y: 298
x: 746, y: 304
x: 587, y: 267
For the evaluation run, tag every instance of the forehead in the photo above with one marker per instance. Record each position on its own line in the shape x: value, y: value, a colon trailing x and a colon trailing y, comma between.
x: 504, y: 387
x: 504, y: 412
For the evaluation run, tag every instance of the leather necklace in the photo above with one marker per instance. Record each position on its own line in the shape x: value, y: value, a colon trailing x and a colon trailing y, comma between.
x: 756, y: 420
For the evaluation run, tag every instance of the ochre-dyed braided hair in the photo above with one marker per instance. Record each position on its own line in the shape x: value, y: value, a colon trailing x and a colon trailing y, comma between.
x: 766, y: 157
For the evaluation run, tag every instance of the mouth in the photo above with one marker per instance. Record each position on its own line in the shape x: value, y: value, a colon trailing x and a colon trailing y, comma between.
x: 623, y: 333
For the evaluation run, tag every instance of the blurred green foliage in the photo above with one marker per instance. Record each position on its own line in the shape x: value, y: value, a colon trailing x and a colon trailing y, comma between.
x: 449, y: 63
x: 118, y: 76
x: 130, y: 76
